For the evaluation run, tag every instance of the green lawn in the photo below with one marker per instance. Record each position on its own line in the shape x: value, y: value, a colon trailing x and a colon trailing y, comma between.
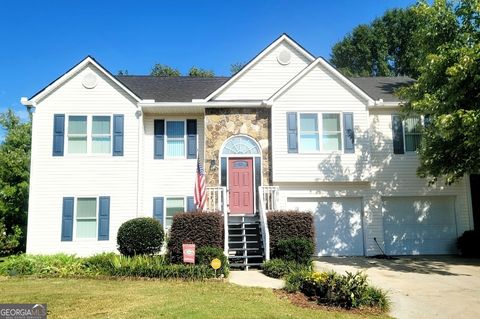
x: 102, y: 298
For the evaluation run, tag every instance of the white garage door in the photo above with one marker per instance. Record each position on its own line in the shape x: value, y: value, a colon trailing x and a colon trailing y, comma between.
x: 419, y: 225
x: 338, y: 224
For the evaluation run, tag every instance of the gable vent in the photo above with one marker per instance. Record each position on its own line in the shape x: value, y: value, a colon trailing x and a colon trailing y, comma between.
x: 284, y: 57
x: 89, y: 81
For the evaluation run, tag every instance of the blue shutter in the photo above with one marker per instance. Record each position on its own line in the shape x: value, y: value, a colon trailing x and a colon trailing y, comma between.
x: 190, y: 204
x: 348, y: 133
x: 58, y: 134
x: 159, y: 139
x: 397, y: 134
x: 292, y: 135
x: 223, y: 171
x: 104, y: 218
x: 191, y: 138
x: 158, y: 209
x: 118, y: 135
x: 67, y: 219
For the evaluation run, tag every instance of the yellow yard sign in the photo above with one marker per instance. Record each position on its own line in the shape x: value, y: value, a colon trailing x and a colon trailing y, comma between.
x: 216, y: 263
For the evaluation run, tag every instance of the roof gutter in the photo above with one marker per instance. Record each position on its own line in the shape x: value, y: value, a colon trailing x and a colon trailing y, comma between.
x: 200, y: 104
x: 380, y: 104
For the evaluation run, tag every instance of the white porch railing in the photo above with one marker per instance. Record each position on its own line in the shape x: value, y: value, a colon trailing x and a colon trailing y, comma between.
x: 267, y: 202
x: 269, y: 194
x: 217, y: 202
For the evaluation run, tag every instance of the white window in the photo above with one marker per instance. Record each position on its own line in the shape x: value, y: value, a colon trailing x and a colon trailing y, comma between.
x: 324, y: 135
x: 77, y: 134
x: 101, y: 134
x: 174, y: 205
x: 331, y: 132
x: 86, y: 218
x: 413, y: 130
x: 175, y: 139
x: 89, y: 134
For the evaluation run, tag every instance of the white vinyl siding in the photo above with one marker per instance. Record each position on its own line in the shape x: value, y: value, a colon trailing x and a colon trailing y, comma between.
x: 86, y: 218
x: 175, y: 146
x: 174, y: 205
x: 81, y: 175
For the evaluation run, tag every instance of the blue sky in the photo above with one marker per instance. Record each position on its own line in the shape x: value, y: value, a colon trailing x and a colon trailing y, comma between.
x: 40, y: 40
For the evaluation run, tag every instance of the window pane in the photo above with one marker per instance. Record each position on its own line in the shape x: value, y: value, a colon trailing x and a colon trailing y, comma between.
x: 175, y: 129
x: 77, y: 125
x: 332, y: 142
x: 176, y: 148
x: 412, y: 142
x: 331, y: 122
x: 308, y: 122
x: 174, y: 206
x: 101, y: 144
x: 309, y: 142
x: 101, y: 125
x: 413, y: 125
x: 86, y: 208
x: 77, y: 144
x: 86, y: 228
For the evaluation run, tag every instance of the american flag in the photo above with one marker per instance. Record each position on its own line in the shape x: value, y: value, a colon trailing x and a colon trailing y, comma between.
x: 200, y: 191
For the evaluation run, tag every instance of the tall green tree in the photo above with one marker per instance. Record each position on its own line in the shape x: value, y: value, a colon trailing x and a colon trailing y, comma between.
x: 448, y: 89
x: 200, y: 73
x: 14, y: 173
x: 385, y: 47
x: 164, y: 70
x: 235, y: 67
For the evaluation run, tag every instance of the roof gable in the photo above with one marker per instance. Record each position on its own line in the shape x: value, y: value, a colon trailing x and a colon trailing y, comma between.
x: 72, y: 72
x: 299, y: 55
x: 320, y: 62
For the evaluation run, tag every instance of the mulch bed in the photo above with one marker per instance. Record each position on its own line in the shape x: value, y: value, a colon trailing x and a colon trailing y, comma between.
x: 300, y: 300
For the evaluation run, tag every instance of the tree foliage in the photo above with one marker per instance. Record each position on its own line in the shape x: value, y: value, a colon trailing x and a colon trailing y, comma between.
x: 385, y: 47
x: 14, y: 174
x: 448, y: 89
x: 235, y: 67
x: 164, y: 70
x: 200, y: 73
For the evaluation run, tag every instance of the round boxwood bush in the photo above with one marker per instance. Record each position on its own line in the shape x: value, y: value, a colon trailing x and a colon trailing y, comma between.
x: 140, y: 236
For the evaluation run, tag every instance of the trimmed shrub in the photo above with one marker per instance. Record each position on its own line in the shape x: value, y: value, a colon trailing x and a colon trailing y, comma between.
x: 282, y: 224
x: 140, y: 236
x: 279, y: 268
x: 298, y: 250
x: 467, y: 244
x: 205, y: 255
x: 348, y: 291
x: 201, y: 229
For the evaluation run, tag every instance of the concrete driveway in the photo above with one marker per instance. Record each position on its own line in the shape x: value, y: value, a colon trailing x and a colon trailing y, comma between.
x: 420, y: 287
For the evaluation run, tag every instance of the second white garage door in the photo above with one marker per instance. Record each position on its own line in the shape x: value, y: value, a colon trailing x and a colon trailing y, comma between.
x: 419, y: 225
x: 338, y: 224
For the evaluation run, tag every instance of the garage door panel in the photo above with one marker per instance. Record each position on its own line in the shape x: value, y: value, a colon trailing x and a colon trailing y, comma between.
x: 338, y: 224
x: 419, y: 225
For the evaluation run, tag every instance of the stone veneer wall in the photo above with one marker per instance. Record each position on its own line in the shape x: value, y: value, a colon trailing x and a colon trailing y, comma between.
x: 222, y: 123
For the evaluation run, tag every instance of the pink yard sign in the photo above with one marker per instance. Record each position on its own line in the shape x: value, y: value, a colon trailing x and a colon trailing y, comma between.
x: 188, y: 253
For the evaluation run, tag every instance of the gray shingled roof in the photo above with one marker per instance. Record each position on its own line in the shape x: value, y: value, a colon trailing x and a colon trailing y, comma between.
x: 184, y: 89
x: 382, y: 87
x: 171, y: 89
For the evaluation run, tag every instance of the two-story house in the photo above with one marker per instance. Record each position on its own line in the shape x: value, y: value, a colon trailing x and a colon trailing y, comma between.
x: 288, y: 131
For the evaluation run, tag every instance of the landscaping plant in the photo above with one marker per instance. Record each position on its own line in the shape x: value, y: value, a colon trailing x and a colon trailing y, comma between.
x: 140, y: 236
x: 205, y: 255
x: 279, y: 268
x: 298, y: 250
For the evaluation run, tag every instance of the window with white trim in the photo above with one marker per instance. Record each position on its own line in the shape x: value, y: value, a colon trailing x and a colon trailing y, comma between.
x: 89, y: 134
x: 175, y: 146
x: 86, y: 218
x: 174, y: 205
x: 320, y: 136
x: 412, y: 131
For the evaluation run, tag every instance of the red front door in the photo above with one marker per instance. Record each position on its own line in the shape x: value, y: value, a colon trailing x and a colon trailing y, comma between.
x: 240, y: 185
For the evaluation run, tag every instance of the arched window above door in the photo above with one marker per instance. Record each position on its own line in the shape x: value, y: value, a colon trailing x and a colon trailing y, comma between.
x: 240, y: 145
